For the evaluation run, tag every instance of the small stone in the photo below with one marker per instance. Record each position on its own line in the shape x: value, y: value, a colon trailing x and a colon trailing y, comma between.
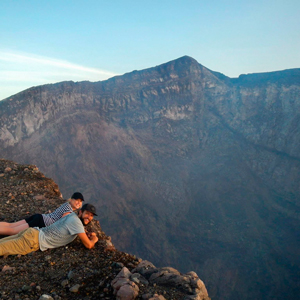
x: 127, y: 292
x: 7, y: 268
x: 146, y: 296
x: 118, y: 265
x: 26, y: 288
x: 75, y: 288
x: 192, y: 274
x: 39, y: 197
x: 102, y: 283
x: 71, y: 274
x: 45, y: 297
x: 130, y: 265
x: 134, y: 279
x: 65, y: 282
x: 124, y: 273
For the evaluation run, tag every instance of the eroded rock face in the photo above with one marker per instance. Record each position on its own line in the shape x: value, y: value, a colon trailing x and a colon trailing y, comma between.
x: 188, y: 167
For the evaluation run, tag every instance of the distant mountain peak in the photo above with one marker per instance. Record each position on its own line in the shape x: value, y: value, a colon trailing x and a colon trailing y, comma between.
x: 186, y: 59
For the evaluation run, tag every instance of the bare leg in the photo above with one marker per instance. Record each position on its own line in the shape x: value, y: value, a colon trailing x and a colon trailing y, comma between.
x: 15, y: 224
x: 12, y: 228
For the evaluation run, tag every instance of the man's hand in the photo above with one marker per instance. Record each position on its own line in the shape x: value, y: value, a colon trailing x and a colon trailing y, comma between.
x: 88, y: 239
x: 90, y: 234
x: 93, y: 237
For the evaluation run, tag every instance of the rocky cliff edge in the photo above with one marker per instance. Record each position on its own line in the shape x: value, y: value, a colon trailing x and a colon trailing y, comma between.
x: 73, y: 272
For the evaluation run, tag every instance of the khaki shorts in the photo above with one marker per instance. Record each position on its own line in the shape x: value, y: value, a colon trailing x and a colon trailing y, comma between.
x: 24, y: 242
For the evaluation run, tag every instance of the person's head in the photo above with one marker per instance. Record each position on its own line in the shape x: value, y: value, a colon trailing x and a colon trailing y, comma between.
x: 76, y: 200
x: 87, y: 213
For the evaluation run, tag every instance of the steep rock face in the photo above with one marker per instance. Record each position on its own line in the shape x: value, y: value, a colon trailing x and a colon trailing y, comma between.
x: 72, y: 271
x: 187, y: 166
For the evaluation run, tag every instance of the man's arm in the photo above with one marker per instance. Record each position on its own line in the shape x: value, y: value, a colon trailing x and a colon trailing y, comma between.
x: 88, y: 242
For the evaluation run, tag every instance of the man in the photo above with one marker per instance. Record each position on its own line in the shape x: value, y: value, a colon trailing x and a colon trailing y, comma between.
x: 60, y: 233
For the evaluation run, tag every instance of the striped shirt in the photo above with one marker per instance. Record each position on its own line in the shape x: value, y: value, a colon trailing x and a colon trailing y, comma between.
x: 57, y: 214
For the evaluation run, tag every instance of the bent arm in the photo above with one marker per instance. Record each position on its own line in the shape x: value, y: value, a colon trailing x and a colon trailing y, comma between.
x: 88, y: 242
x: 66, y: 213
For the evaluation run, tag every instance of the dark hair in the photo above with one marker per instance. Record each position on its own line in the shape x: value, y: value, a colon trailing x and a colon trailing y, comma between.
x: 77, y: 196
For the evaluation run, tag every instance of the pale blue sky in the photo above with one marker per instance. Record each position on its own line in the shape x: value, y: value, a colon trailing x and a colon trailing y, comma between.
x: 50, y: 41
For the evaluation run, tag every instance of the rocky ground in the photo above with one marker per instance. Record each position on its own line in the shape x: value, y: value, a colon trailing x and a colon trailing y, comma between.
x: 73, y: 272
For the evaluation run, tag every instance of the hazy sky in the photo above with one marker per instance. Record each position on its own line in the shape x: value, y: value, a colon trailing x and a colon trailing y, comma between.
x: 56, y: 40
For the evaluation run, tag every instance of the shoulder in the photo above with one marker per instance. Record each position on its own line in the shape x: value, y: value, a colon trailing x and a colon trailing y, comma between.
x: 72, y: 215
x: 73, y: 218
x: 66, y: 204
x: 74, y: 223
x: 65, y: 207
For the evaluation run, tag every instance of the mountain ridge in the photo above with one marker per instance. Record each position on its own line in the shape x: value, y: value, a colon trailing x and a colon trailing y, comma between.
x: 293, y: 73
x: 185, y: 166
